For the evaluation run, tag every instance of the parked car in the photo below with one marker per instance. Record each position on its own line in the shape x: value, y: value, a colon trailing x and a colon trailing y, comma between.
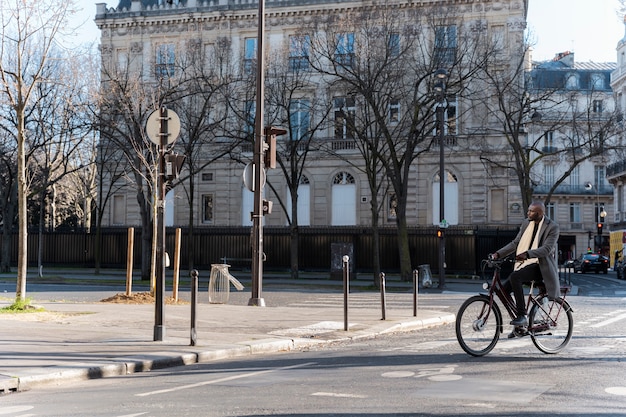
x: 591, y: 262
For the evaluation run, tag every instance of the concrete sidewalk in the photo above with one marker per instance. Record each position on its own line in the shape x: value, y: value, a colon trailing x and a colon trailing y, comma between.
x: 84, y: 340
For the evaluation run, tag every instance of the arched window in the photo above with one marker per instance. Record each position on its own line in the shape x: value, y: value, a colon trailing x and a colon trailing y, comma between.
x: 451, y: 199
x: 304, y: 202
x: 343, y: 202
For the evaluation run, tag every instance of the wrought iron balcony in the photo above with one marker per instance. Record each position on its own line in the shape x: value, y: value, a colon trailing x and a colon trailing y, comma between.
x: 616, y: 168
x: 574, y: 190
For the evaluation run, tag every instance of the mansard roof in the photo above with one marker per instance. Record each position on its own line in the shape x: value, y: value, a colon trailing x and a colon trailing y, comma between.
x: 125, y: 4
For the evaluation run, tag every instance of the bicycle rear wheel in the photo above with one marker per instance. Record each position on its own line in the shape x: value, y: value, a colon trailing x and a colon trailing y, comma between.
x: 551, y: 327
x: 478, y: 326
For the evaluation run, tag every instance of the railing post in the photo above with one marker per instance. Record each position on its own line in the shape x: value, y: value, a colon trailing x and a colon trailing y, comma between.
x: 383, y: 304
x: 194, y: 303
x: 346, y: 290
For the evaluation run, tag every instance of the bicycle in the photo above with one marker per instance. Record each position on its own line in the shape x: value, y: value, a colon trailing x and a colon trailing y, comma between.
x: 479, y: 320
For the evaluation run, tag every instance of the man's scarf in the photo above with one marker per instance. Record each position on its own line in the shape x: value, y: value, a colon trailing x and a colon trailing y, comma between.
x: 525, y: 244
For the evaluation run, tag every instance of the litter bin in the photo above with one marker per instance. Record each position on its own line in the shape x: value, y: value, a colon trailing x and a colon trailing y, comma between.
x: 219, y: 284
x: 424, y: 274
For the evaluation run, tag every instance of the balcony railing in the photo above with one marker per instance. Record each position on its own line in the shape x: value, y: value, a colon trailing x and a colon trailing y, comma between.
x: 616, y: 168
x: 574, y: 190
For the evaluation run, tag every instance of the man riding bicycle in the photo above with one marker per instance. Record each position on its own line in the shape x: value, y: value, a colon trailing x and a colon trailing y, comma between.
x: 535, y: 258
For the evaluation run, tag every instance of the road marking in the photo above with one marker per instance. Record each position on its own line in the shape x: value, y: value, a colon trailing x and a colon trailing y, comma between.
x: 337, y: 395
x: 228, y: 378
x: 15, y: 409
x: 616, y: 390
x: 609, y: 321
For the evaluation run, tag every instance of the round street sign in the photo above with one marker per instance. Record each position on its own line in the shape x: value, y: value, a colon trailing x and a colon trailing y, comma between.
x: 248, y: 177
x: 153, y: 127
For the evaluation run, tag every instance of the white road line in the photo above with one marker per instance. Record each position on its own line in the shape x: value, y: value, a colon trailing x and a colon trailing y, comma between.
x: 609, y: 321
x: 228, y: 378
x: 337, y: 395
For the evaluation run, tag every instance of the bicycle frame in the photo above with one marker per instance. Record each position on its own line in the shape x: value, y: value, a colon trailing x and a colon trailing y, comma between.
x: 496, y: 288
x: 480, y: 321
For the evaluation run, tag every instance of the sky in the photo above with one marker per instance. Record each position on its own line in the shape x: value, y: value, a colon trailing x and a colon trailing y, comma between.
x: 589, y: 28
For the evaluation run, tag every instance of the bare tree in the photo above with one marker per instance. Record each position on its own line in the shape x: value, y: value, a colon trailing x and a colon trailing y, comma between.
x: 293, y: 100
x: 523, y: 108
x: 29, y: 29
x: 384, y: 67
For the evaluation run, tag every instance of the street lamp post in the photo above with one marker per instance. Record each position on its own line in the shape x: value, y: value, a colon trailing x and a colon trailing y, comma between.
x: 441, y: 76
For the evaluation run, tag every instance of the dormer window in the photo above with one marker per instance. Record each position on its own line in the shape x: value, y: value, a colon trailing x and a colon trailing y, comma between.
x: 597, y: 82
x: 571, y: 81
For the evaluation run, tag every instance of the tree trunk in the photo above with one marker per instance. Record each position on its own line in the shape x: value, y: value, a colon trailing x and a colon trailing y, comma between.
x: 22, y: 257
x: 403, y: 245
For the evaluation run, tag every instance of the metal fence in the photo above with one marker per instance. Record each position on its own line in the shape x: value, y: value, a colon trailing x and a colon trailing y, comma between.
x: 465, y: 247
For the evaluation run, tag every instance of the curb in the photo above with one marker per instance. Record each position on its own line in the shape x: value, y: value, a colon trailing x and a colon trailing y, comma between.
x: 126, y: 365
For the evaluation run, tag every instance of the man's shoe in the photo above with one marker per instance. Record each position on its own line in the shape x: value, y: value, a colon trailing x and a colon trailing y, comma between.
x: 520, y: 321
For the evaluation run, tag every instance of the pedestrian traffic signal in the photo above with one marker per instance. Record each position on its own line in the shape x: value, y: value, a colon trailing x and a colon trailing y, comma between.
x: 439, y: 233
x: 600, y: 228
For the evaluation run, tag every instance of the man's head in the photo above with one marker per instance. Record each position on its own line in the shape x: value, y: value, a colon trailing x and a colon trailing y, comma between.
x: 536, y: 211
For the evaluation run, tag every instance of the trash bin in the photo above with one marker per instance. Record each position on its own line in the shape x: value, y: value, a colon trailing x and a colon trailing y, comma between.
x: 425, y: 275
x: 219, y: 284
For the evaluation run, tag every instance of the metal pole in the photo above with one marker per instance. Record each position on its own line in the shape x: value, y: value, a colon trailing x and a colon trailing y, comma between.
x: 194, y: 304
x: 383, y: 304
x: 415, y: 285
x: 346, y: 290
x: 257, y: 215
x: 442, y: 183
x: 159, y: 326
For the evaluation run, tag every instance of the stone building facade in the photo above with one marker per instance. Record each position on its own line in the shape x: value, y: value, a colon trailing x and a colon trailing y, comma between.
x: 149, y: 36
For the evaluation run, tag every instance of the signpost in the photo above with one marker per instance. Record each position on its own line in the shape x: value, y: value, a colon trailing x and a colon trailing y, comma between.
x: 163, y: 128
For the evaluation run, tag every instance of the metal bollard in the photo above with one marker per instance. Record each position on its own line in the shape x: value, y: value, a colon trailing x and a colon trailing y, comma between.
x: 194, y: 303
x: 346, y: 290
x: 415, y: 285
x: 383, y: 304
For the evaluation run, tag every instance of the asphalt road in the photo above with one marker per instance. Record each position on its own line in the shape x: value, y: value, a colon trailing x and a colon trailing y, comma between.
x: 421, y: 373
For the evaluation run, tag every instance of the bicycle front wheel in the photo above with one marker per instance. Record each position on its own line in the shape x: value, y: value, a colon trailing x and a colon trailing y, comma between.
x: 551, y: 325
x: 478, y: 326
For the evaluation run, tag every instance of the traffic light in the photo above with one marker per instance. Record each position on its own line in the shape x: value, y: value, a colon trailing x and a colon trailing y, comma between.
x: 269, y: 145
x: 439, y: 233
x: 267, y: 207
x: 173, y: 165
x: 600, y: 225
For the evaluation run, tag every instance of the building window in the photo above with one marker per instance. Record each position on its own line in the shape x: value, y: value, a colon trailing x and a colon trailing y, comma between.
x: 599, y: 177
x: 119, y: 210
x: 548, y: 140
x: 445, y: 44
x: 343, y: 195
x: 574, y: 177
x: 207, y: 176
x: 597, y: 106
x: 165, y: 60
x: 299, y: 119
x: 250, y: 112
x: 345, y: 111
x: 392, y: 206
x: 344, y: 52
x: 497, y: 37
x: 207, y: 208
x: 393, y: 45
x: 394, y: 111
x: 597, y: 82
x: 571, y: 81
x: 249, y: 58
x: 551, y: 211
x: 574, y: 212
x: 299, y: 47
x: 548, y: 175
